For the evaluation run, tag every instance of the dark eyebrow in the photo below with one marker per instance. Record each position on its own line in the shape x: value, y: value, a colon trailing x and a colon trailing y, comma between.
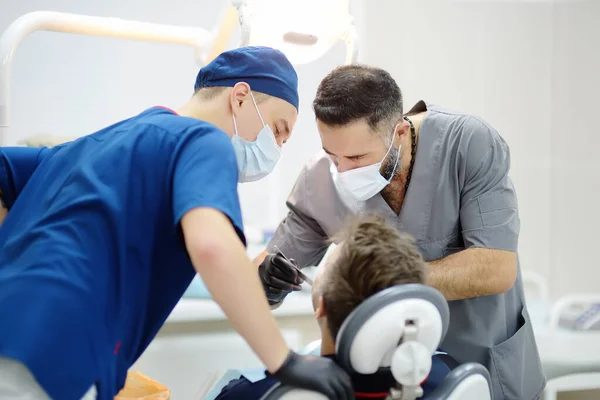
x: 350, y: 157
x: 355, y: 156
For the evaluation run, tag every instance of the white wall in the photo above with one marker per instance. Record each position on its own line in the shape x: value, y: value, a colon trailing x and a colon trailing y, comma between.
x: 575, y: 170
x: 529, y: 68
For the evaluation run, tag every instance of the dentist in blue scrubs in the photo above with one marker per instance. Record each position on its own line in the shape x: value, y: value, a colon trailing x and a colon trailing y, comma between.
x: 104, y: 234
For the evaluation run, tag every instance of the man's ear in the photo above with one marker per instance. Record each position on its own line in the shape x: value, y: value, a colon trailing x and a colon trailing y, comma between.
x: 320, y: 311
x: 239, y: 94
x: 403, y: 128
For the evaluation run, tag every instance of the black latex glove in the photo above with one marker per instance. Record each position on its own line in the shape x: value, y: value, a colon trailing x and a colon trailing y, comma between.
x: 318, y: 374
x: 279, y: 277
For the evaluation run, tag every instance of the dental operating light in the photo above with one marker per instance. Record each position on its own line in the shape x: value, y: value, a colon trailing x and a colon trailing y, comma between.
x: 303, y: 30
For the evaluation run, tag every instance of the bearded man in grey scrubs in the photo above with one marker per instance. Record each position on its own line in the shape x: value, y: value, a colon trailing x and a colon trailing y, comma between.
x: 441, y: 176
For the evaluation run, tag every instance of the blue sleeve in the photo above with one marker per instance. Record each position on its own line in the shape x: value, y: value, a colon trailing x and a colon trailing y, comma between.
x: 16, y: 166
x: 206, y: 175
x: 244, y: 389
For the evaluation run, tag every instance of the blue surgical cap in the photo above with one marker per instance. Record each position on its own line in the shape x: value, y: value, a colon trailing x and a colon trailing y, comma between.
x: 265, y: 69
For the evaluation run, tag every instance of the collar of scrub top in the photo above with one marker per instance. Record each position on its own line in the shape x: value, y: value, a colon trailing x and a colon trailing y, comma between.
x: 265, y: 69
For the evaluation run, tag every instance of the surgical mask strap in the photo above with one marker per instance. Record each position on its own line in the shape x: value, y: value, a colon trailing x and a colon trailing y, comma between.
x: 235, y: 125
x: 391, y: 144
x: 258, y: 112
x: 397, y: 155
x: 263, y: 122
x: 256, y: 107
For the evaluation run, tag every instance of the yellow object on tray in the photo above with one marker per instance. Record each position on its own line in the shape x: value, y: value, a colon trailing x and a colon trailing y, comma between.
x: 140, y: 387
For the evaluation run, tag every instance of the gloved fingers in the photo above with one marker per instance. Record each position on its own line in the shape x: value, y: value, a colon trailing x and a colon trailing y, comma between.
x: 330, y: 392
x: 282, y: 262
x: 276, y: 290
x: 335, y: 387
x: 325, y: 388
x: 280, y: 259
x: 284, y: 272
x: 286, y: 276
x: 341, y: 384
x: 347, y: 392
x: 276, y: 297
x: 281, y: 285
x: 299, y: 280
x: 318, y: 374
x: 350, y: 391
x: 339, y: 391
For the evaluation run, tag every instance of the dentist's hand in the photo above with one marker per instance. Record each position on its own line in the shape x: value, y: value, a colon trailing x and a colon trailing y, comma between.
x: 279, y: 277
x: 317, y: 374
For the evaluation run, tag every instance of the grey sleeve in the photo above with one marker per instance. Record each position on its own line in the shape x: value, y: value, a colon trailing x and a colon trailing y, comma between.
x: 299, y: 236
x: 488, y: 213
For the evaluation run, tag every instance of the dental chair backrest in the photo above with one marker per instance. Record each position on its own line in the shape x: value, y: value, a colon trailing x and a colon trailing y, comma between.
x: 399, y: 328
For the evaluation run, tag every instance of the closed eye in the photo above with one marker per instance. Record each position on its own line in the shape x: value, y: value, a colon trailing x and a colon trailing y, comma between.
x: 356, y: 158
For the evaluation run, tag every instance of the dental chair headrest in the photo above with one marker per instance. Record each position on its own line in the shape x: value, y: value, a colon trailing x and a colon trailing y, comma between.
x: 400, y: 328
x: 369, y: 337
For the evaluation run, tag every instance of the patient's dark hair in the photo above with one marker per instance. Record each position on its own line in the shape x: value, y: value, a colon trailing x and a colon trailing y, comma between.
x: 374, y: 256
x: 352, y: 92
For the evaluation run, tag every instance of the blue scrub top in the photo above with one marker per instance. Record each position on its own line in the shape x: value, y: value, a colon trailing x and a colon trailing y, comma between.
x: 16, y: 166
x: 93, y: 258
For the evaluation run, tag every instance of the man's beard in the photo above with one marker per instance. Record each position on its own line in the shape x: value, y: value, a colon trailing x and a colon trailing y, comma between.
x: 390, y: 169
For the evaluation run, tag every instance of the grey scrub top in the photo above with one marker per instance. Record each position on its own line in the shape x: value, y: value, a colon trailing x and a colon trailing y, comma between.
x: 460, y: 196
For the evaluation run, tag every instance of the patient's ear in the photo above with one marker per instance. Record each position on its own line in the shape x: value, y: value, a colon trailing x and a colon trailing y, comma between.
x: 320, y: 311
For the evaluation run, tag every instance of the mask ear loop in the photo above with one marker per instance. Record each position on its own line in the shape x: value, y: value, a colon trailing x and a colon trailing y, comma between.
x: 397, y: 156
x: 392, y: 143
x: 256, y: 107
x: 234, y: 125
x: 258, y: 112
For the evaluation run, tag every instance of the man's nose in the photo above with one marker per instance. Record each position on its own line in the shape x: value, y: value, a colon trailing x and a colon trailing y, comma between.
x: 281, y: 138
x: 343, y: 166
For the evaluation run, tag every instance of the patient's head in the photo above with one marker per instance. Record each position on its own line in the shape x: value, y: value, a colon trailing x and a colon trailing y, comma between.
x: 372, y: 256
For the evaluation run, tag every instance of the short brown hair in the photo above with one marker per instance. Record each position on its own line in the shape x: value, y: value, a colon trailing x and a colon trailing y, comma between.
x: 373, y: 257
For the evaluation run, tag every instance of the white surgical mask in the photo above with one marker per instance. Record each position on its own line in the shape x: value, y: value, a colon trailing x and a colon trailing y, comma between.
x: 364, y: 182
x: 255, y: 159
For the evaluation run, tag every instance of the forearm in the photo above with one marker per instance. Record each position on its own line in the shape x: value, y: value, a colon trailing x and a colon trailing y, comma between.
x: 259, y: 258
x: 234, y: 285
x: 473, y: 273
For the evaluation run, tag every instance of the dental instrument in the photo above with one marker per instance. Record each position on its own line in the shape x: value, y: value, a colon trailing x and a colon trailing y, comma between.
x: 300, y: 273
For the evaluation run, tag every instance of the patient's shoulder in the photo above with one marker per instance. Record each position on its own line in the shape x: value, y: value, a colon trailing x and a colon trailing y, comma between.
x: 439, y: 371
x: 244, y: 389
